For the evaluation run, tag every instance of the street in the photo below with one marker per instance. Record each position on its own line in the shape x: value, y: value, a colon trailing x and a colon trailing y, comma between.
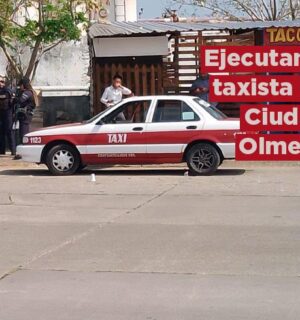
x: 150, y: 243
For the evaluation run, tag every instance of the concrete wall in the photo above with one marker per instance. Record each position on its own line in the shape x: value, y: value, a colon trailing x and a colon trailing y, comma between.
x: 131, y: 10
x: 2, y: 65
x: 119, y: 10
x: 65, y: 65
x: 63, y: 79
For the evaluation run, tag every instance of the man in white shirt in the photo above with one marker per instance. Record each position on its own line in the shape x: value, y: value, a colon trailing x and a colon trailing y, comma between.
x: 114, y: 93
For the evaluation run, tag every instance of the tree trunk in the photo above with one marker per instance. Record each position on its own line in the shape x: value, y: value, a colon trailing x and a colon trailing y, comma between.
x: 33, y: 58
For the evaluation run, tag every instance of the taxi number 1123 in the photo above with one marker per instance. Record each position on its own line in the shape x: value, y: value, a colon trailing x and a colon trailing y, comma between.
x: 35, y: 140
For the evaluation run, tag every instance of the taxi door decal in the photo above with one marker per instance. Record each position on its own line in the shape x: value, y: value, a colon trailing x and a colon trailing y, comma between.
x: 117, y: 138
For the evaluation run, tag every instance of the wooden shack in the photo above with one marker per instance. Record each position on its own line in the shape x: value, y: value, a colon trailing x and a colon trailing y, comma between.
x: 158, y: 57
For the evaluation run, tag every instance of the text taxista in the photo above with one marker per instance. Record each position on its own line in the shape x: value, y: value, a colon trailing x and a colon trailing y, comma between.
x: 252, y: 88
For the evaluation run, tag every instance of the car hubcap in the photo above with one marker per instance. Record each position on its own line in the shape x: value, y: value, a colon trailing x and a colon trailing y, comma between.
x: 202, y: 159
x: 63, y: 160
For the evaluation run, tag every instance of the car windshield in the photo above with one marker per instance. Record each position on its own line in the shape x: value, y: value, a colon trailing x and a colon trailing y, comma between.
x: 212, y: 110
x: 96, y: 116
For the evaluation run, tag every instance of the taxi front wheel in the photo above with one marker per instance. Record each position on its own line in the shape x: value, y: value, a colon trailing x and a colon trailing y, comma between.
x: 63, y: 160
x: 203, y: 159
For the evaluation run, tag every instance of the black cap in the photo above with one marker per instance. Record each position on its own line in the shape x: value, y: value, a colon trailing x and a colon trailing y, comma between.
x: 25, y: 81
x: 118, y: 76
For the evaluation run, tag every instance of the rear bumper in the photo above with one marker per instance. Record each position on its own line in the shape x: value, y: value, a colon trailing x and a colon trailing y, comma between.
x: 228, y: 150
x: 30, y: 153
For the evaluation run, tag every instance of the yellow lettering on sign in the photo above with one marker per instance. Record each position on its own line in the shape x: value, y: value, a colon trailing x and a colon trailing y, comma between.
x: 271, y: 32
x: 290, y: 35
x: 283, y: 35
x: 280, y: 36
x: 298, y: 35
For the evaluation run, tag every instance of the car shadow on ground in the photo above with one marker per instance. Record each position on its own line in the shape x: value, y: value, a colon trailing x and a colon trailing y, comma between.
x: 120, y: 172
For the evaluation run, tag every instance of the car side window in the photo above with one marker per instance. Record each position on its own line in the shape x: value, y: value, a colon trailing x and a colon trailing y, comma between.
x: 173, y: 111
x: 130, y: 112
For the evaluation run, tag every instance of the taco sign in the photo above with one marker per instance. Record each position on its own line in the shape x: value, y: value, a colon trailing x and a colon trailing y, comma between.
x: 282, y: 36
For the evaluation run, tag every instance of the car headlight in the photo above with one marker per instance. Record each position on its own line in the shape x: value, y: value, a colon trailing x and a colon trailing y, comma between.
x: 25, y: 140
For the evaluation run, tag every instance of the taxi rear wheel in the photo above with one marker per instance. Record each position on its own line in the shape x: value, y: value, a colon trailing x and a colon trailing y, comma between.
x: 203, y: 159
x: 63, y: 160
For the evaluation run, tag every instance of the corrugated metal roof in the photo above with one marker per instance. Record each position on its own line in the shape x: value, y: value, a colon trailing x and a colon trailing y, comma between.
x: 146, y: 27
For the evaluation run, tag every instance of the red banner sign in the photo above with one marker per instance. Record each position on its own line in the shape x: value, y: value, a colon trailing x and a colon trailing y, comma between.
x: 270, y: 117
x: 254, y: 88
x: 221, y: 59
x: 268, y: 147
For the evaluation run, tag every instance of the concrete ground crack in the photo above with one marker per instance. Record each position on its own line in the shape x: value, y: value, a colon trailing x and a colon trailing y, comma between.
x: 199, y: 274
x: 65, y: 243
x: 151, y: 199
x: 10, y: 198
x: 10, y: 272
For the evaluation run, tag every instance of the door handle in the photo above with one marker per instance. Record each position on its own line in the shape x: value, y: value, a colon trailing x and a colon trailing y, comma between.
x: 138, y: 129
x: 191, y: 127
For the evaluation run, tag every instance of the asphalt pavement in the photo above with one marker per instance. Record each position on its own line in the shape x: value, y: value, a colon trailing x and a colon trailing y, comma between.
x: 150, y: 243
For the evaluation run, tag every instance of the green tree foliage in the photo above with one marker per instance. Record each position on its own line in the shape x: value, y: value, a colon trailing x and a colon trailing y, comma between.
x: 37, y: 26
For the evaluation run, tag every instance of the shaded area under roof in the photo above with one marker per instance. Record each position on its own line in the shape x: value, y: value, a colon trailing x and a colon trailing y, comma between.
x: 150, y: 27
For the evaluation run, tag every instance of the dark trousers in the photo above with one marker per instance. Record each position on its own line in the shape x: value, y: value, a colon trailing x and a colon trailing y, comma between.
x: 2, y: 138
x: 24, y: 127
x: 7, y: 132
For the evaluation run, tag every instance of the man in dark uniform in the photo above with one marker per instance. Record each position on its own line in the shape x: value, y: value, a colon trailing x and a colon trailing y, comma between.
x: 25, y: 104
x: 6, y: 119
x: 200, y: 87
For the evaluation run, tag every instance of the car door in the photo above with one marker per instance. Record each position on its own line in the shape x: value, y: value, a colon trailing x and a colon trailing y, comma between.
x: 173, y: 125
x: 120, y: 136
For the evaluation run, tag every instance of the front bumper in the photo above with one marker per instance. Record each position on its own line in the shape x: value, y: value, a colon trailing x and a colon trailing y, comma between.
x: 30, y: 153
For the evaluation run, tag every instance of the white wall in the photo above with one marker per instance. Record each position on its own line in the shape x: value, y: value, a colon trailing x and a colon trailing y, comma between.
x: 131, y: 46
x: 122, y: 10
x: 65, y: 65
x: 2, y: 65
x: 131, y: 10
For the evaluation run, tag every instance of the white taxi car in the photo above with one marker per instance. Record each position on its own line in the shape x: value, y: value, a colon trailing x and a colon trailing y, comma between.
x: 139, y: 130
